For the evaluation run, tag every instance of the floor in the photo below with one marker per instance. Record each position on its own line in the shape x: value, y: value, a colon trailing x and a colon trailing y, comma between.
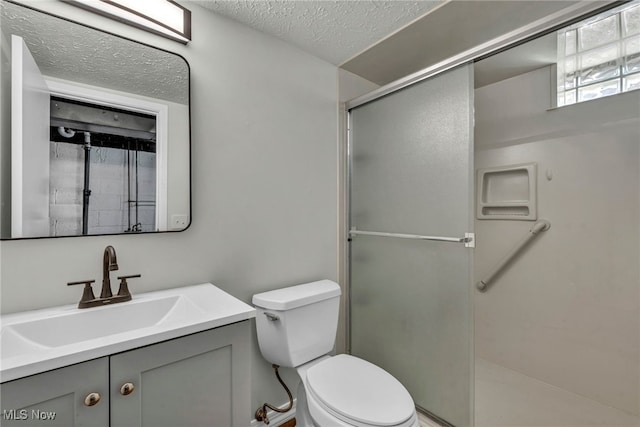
x: 426, y: 422
x: 505, y: 398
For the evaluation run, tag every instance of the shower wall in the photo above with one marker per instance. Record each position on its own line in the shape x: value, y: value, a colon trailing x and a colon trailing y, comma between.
x: 567, y: 311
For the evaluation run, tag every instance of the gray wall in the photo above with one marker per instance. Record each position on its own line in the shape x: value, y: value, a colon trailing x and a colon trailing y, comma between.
x: 567, y: 311
x: 264, y: 170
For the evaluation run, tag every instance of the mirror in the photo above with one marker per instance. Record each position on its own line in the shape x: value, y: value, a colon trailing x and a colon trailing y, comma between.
x: 95, y: 136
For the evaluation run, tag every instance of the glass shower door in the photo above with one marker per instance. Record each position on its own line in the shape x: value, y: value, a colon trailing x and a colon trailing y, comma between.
x: 411, y: 299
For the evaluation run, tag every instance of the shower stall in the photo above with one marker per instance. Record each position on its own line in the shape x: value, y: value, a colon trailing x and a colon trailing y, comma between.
x: 494, y: 227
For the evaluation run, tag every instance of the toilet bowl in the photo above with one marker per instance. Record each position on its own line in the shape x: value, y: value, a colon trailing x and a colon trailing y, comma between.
x: 347, y: 391
x: 296, y: 328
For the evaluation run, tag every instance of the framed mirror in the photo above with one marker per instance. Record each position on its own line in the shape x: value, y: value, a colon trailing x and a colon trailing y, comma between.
x: 95, y: 134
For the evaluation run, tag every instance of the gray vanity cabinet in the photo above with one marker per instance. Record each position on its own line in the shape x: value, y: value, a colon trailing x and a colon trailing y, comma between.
x: 193, y: 381
x: 57, y: 398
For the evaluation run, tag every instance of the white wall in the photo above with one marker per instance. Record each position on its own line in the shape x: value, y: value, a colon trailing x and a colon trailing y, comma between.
x: 567, y: 312
x: 264, y: 193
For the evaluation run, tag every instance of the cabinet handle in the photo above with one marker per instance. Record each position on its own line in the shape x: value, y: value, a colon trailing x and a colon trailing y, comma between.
x: 92, y: 399
x: 127, y: 389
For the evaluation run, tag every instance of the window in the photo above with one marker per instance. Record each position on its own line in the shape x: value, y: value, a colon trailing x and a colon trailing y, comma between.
x: 600, y: 56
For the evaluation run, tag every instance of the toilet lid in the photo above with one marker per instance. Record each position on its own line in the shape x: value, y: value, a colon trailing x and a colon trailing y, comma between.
x: 360, y: 391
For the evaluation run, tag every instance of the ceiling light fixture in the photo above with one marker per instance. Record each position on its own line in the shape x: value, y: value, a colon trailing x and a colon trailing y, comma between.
x: 164, y: 17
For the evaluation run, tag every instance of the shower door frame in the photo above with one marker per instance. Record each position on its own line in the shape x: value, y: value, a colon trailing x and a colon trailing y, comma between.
x: 538, y: 28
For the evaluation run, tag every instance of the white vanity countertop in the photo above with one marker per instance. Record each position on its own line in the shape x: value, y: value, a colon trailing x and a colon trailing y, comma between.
x: 40, y: 340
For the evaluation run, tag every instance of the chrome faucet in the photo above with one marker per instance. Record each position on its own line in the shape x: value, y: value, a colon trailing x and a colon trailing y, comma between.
x: 109, y: 263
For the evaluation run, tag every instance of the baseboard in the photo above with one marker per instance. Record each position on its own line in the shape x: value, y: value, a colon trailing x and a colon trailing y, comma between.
x: 276, y: 418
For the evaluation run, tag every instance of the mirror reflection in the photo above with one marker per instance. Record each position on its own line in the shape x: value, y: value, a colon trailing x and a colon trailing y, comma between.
x: 95, y: 138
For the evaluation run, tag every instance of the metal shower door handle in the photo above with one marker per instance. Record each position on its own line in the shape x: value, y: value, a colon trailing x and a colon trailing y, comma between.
x: 468, y: 239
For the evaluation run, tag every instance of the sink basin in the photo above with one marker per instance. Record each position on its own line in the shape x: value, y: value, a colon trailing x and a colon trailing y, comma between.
x: 87, y: 324
x: 36, y: 341
x: 13, y: 345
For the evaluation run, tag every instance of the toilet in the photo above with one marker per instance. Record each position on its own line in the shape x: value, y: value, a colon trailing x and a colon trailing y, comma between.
x: 296, y: 328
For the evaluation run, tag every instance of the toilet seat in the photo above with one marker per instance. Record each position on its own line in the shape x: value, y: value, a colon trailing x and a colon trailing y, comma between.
x: 359, y: 393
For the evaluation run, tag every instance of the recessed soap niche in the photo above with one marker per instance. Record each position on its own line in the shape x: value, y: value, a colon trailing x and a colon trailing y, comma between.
x: 507, y: 192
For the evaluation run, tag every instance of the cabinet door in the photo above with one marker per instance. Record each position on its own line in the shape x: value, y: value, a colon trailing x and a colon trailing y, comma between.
x: 194, y: 381
x: 57, y: 398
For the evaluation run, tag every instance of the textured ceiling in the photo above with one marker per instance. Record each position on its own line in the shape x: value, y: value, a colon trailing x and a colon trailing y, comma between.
x: 76, y: 53
x: 332, y: 30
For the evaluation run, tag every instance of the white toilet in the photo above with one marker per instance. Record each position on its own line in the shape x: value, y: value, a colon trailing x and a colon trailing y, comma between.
x: 297, y: 329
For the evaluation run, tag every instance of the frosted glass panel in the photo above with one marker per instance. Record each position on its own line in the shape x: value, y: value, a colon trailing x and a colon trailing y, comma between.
x: 411, y: 300
x: 631, y: 20
x: 570, y: 42
x: 632, y: 82
x: 598, y: 33
x: 599, y: 90
x: 599, y: 64
x: 632, y: 55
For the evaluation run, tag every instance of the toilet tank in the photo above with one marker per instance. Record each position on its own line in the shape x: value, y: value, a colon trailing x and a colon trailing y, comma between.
x: 298, y: 323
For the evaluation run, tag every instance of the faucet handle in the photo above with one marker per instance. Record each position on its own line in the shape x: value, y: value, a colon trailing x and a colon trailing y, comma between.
x: 87, y: 293
x: 124, y: 288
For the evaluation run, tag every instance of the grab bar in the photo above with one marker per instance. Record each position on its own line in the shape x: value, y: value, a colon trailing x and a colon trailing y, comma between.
x: 542, y: 225
x: 467, y: 239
